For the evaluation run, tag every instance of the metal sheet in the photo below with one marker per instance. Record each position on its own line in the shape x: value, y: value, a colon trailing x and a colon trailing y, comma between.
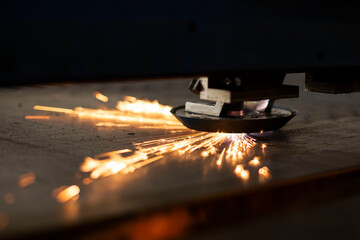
x: 324, y: 136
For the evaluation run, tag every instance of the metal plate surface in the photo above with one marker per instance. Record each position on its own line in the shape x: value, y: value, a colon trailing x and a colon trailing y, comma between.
x: 323, y: 137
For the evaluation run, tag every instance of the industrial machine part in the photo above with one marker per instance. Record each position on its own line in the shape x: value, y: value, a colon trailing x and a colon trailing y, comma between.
x: 245, y: 124
x: 240, y: 104
x: 335, y: 81
x: 245, y: 48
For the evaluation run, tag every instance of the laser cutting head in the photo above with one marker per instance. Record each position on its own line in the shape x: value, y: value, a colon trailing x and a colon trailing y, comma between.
x: 239, y: 105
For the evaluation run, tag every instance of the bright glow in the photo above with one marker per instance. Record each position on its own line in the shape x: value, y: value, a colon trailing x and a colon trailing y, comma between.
x: 64, y: 194
x: 241, y: 172
x: 53, y: 109
x: 255, y: 161
x: 131, y: 110
x: 145, y: 114
x: 204, y: 144
x: 133, y: 105
x: 265, y: 172
x: 205, y: 154
x: 100, y: 96
x: 219, y: 161
x: 238, y: 147
x: 37, y: 117
x: 109, y: 124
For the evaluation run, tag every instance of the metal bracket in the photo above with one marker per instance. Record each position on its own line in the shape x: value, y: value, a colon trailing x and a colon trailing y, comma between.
x: 206, y: 109
x: 228, y: 96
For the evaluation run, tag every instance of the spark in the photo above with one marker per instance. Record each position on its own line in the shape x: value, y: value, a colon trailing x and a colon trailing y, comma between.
x: 53, y: 109
x: 113, y: 153
x: 178, y: 131
x: 109, y: 124
x: 241, y: 172
x: 131, y: 104
x: 219, y: 161
x: 100, y: 96
x: 26, y: 179
x: 147, y: 114
x: 239, y: 146
x: 37, y: 117
x: 204, y: 144
x: 130, y: 110
x: 205, y: 154
x: 64, y: 194
x: 254, y: 162
x: 164, y: 127
x: 265, y: 172
x: 263, y: 146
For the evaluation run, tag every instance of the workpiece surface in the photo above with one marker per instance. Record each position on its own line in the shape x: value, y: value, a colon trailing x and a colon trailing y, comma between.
x: 323, y: 137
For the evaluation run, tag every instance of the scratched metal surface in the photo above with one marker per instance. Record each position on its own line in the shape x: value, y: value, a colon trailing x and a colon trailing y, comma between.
x: 324, y: 136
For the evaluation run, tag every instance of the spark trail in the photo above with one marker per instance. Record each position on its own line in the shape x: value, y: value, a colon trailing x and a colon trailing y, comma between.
x: 234, y: 149
x: 203, y: 144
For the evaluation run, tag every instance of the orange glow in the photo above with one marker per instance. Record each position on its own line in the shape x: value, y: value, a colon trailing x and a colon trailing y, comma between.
x: 163, y: 127
x: 26, y: 179
x: 53, y: 109
x: 254, y: 162
x: 206, y: 144
x: 147, y: 152
x: 87, y: 181
x: 241, y: 172
x: 130, y: 111
x: 219, y: 161
x: 109, y: 124
x: 263, y: 146
x: 113, y: 153
x: 9, y: 198
x: 172, y: 224
x: 204, y: 154
x: 265, y: 172
x: 100, y: 96
x: 64, y: 194
x: 154, y: 113
x: 239, y: 146
x: 37, y: 117
x: 4, y: 221
x: 145, y: 114
x: 133, y: 105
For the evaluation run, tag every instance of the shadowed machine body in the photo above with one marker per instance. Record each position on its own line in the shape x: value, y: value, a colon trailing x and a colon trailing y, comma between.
x: 238, y: 58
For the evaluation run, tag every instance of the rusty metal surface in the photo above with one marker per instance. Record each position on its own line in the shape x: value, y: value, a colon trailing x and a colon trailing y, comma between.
x: 323, y: 137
